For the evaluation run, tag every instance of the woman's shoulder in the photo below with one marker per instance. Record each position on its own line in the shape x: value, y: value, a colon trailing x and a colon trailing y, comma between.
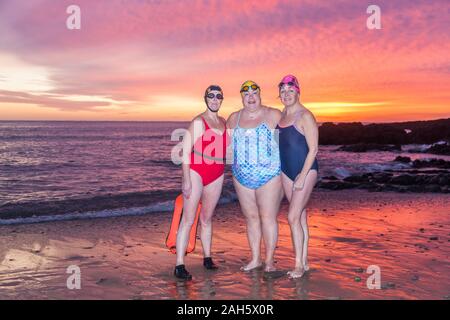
x: 306, y: 116
x: 273, y: 113
x: 272, y: 110
x: 222, y: 119
x: 232, y: 119
x: 198, y: 118
x: 197, y: 121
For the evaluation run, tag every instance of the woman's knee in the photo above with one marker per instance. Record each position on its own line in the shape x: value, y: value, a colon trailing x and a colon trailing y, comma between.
x: 269, y: 218
x: 253, y: 217
x: 293, y: 219
x: 187, y: 222
x: 205, y: 220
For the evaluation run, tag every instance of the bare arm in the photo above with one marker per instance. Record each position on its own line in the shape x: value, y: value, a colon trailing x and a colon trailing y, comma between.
x: 231, y: 121
x: 231, y: 124
x: 194, y: 131
x: 312, y: 139
x: 275, y: 116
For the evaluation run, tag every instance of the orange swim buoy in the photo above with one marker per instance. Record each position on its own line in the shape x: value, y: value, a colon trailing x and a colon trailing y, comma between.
x: 171, y: 240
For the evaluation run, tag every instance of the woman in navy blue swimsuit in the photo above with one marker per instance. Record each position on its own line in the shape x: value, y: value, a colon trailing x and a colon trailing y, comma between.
x: 298, y: 139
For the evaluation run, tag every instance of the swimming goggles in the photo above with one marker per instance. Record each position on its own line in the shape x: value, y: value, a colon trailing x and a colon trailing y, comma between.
x: 245, y: 88
x: 219, y: 96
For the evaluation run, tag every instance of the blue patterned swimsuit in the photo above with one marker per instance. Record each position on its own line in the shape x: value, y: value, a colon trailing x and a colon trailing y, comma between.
x: 256, y: 155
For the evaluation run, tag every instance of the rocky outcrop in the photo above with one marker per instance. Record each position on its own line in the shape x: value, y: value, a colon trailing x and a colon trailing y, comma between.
x: 412, y: 132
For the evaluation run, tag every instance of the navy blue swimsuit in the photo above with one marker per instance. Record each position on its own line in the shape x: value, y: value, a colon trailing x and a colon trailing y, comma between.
x: 293, y: 151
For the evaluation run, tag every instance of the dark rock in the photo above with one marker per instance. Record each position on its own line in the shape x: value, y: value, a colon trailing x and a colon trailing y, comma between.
x: 370, y: 186
x: 364, y: 147
x: 422, y: 132
x: 403, y: 159
x: 388, y: 285
x: 381, y: 177
x: 432, y: 163
x: 356, y: 179
x: 336, y: 185
x: 444, y: 181
x: 433, y: 188
x: 415, y: 188
x: 404, y: 179
x: 443, y: 149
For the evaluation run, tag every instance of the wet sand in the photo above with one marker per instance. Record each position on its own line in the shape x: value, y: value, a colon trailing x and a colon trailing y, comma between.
x: 406, y: 235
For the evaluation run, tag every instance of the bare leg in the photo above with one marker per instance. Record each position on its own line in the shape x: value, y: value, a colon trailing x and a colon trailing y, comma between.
x: 247, y: 200
x: 189, y: 210
x: 304, y: 224
x: 268, y: 199
x: 298, y: 202
x: 210, y: 197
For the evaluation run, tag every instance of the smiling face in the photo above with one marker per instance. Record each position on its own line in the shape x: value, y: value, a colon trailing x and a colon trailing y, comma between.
x: 288, y: 95
x: 213, y: 101
x: 251, y: 99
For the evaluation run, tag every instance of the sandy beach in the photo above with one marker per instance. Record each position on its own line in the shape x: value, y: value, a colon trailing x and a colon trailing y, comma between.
x: 406, y: 235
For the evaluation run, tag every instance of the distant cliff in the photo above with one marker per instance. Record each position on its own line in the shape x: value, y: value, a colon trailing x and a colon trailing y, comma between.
x: 413, y: 132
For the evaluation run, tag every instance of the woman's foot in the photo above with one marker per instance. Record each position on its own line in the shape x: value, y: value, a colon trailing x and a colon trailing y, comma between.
x: 269, y: 267
x: 252, y: 266
x: 306, y: 267
x: 209, y: 264
x: 181, y: 272
x: 296, y: 273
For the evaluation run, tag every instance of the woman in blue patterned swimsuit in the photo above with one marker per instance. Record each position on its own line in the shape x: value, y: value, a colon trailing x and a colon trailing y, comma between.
x: 299, y: 139
x: 256, y: 172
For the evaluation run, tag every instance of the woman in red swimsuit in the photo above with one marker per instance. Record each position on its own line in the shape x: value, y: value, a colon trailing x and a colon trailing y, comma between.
x: 204, y: 150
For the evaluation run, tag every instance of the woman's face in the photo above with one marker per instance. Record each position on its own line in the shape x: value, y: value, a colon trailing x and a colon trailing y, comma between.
x: 214, y: 103
x: 288, y: 95
x: 251, y: 98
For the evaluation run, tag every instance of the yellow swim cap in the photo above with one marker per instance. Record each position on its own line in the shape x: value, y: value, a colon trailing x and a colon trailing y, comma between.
x: 249, y: 84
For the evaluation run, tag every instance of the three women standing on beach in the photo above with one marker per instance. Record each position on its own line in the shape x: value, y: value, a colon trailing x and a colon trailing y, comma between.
x: 263, y: 169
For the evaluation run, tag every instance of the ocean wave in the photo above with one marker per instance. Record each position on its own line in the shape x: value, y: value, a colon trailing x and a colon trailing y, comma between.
x: 376, y: 167
x: 421, y: 147
x: 228, y: 196
x: 84, y: 137
x: 342, y: 172
x: 159, y: 207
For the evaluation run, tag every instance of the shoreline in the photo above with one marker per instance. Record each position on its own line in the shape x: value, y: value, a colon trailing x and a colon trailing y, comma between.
x: 406, y: 235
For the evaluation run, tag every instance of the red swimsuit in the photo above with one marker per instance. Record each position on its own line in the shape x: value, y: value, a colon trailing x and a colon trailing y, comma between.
x: 208, y: 154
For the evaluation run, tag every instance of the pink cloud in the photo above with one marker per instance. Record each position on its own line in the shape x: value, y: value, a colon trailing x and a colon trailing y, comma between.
x: 49, y: 101
x: 130, y: 51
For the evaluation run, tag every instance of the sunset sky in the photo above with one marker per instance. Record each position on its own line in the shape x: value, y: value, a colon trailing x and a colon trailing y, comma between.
x: 152, y: 60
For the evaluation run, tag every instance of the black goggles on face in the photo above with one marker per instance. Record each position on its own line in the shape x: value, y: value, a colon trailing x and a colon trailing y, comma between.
x: 254, y: 87
x: 219, y: 96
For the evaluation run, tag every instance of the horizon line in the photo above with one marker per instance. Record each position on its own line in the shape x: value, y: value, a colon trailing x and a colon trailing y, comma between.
x: 319, y: 122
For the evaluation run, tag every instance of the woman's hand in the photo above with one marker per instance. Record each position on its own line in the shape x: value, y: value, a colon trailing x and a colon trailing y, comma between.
x: 186, y: 187
x: 299, y: 183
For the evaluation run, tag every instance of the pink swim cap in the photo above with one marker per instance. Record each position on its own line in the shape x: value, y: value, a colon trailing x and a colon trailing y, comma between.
x: 291, y: 81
